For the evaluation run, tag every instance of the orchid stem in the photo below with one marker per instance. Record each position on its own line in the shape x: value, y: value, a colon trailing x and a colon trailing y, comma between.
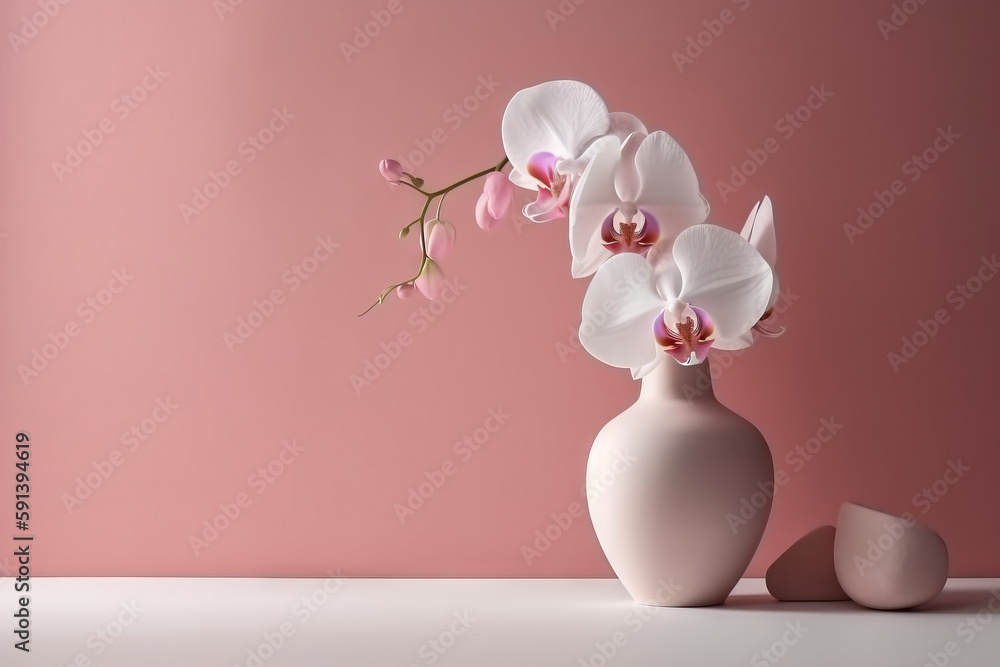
x: 428, y: 198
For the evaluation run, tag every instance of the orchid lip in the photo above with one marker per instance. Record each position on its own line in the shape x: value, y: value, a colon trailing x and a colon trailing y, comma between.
x: 686, y: 336
x: 630, y: 235
x: 543, y: 167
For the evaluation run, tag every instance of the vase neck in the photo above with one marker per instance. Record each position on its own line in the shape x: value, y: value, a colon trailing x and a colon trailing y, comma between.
x: 670, y: 380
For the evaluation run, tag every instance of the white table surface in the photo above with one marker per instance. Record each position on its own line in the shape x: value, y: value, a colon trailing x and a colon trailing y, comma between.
x: 478, y: 623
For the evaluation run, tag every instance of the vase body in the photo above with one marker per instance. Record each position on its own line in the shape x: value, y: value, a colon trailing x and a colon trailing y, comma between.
x: 679, y: 489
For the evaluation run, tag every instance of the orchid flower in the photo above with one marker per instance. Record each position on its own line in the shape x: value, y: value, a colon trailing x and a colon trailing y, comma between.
x: 707, y: 284
x: 630, y: 195
x: 759, y: 231
x: 547, y: 132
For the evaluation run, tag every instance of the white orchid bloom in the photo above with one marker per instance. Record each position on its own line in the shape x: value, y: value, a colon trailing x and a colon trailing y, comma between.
x: 709, y: 284
x: 547, y: 130
x: 631, y: 194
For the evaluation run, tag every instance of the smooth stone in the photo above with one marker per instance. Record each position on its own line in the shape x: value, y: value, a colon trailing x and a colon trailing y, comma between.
x: 888, y: 562
x: 805, y: 571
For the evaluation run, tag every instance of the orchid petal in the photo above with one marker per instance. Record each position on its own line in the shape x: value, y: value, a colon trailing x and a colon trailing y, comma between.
x: 775, y: 289
x: 623, y: 124
x: 740, y: 342
x: 643, y: 371
x: 545, y: 208
x: 627, y: 179
x: 723, y: 275
x: 660, y: 255
x: 594, y: 198
x: 759, y: 231
x: 764, y: 329
x: 619, y: 309
x: 522, y: 180
x: 668, y: 184
x: 669, y: 281
x: 558, y: 117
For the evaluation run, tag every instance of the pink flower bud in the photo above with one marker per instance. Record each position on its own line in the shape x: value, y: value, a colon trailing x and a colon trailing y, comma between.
x: 483, y: 217
x: 500, y: 194
x: 440, y: 239
x: 391, y: 170
x: 405, y: 291
x: 430, y: 282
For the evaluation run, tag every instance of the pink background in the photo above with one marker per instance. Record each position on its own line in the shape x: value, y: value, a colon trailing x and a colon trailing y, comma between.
x: 498, y: 344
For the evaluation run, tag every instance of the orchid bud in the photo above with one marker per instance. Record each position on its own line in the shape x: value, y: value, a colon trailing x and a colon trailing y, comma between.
x: 440, y: 239
x: 391, y: 170
x: 404, y: 232
x: 483, y: 217
x: 499, y: 193
x: 430, y: 282
x: 405, y: 291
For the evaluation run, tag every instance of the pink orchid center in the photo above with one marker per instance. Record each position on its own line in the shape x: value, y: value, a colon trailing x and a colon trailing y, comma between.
x: 629, y: 229
x: 542, y: 167
x: 553, y: 185
x: 684, y: 332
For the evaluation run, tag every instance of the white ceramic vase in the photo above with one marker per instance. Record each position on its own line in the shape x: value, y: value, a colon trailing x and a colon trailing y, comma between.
x: 679, y: 489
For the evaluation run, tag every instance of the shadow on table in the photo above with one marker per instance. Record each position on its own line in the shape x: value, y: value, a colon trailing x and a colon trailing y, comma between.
x: 948, y: 602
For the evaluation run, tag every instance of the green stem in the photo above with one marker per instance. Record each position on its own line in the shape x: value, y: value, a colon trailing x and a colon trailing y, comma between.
x: 428, y: 198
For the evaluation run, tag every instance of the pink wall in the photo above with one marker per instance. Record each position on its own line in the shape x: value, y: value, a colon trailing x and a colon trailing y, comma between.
x: 159, y: 337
